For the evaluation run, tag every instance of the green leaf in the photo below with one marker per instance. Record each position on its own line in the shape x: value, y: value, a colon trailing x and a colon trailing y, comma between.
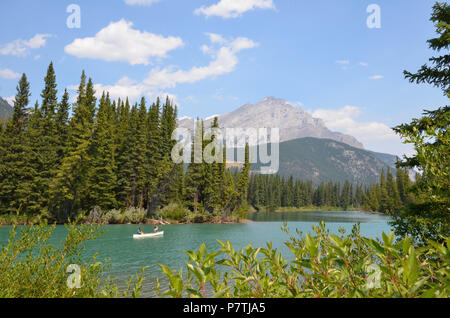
x: 413, y: 267
x: 221, y: 293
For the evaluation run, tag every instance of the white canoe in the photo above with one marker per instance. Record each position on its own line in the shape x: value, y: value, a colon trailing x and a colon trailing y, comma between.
x: 141, y: 236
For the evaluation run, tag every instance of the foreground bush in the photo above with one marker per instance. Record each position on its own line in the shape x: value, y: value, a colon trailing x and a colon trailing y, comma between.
x: 324, y: 265
x: 32, y: 268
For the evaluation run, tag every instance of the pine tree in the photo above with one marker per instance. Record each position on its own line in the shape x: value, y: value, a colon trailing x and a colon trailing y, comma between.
x: 154, y: 144
x: 13, y: 161
x: 102, y: 179
x: 384, y: 200
x: 214, y: 171
x: 195, y: 174
x: 140, y: 155
x: 243, y: 181
x: 46, y: 143
x: 124, y: 144
x: 169, y: 172
x: 70, y: 186
x: 393, y: 193
x: 62, y: 126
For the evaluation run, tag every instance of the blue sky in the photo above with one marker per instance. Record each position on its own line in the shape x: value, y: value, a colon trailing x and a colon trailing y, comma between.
x: 213, y: 56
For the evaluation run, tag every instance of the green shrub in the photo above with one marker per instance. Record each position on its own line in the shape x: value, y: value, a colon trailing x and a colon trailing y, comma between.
x: 113, y: 217
x: 174, y: 212
x: 324, y: 265
x: 134, y: 215
x: 31, y: 267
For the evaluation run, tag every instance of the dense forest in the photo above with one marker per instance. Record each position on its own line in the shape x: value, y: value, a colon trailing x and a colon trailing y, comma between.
x: 388, y: 196
x: 58, y: 161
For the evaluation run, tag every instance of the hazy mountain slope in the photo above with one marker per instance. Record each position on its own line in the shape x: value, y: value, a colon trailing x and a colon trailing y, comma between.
x: 293, y: 122
x: 323, y: 160
x: 6, y: 110
x: 388, y: 159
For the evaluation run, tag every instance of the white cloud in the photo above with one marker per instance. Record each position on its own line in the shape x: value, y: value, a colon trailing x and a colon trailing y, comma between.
x: 120, y: 42
x: 343, y: 62
x: 125, y: 87
x: 224, y: 61
x: 363, y: 64
x: 376, y: 77
x: 216, y: 38
x: 374, y: 135
x: 234, y: 9
x: 8, y: 74
x: 22, y: 47
x: 141, y: 2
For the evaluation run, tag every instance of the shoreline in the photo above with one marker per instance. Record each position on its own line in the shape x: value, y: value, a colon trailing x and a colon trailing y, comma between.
x: 216, y: 220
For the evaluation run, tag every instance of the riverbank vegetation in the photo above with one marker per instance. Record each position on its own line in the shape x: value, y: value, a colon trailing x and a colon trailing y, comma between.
x: 321, y: 266
x: 32, y: 267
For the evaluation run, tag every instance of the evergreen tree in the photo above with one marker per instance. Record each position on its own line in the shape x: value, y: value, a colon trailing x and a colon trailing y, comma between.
x: 429, y: 218
x: 393, y: 193
x: 69, y: 189
x: 154, y: 144
x: 124, y: 143
x: 194, y: 180
x: 102, y: 179
x: 46, y: 143
x: 13, y: 160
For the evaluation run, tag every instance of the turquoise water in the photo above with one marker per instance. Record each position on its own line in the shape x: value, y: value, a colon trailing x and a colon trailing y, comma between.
x: 127, y: 256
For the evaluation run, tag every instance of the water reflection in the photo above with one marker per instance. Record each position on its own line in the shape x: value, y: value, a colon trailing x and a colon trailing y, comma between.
x: 318, y: 216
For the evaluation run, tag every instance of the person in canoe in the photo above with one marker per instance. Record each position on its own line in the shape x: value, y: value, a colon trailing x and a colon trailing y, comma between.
x: 155, y: 229
x: 140, y: 232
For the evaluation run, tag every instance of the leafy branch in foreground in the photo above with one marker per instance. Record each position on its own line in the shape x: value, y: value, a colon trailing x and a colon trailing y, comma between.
x: 32, y: 268
x: 324, y: 265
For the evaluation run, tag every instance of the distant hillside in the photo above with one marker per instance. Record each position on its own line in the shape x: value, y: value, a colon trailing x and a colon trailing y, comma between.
x: 323, y: 160
x: 388, y: 159
x: 6, y: 110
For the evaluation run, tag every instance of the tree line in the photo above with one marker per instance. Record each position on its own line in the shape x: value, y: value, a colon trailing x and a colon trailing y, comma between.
x: 58, y: 160
x: 388, y: 196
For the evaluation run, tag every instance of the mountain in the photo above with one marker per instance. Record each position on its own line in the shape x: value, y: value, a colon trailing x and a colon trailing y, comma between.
x: 292, y: 121
x: 388, y: 159
x: 324, y: 160
x: 5, y: 110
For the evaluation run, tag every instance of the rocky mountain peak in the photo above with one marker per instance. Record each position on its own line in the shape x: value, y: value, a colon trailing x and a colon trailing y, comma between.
x: 292, y: 121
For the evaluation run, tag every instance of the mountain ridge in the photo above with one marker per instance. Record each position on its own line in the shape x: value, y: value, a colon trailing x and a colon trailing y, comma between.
x: 293, y: 122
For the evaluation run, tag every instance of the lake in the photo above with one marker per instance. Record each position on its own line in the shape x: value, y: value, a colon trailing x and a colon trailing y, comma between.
x: 127, y: 256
